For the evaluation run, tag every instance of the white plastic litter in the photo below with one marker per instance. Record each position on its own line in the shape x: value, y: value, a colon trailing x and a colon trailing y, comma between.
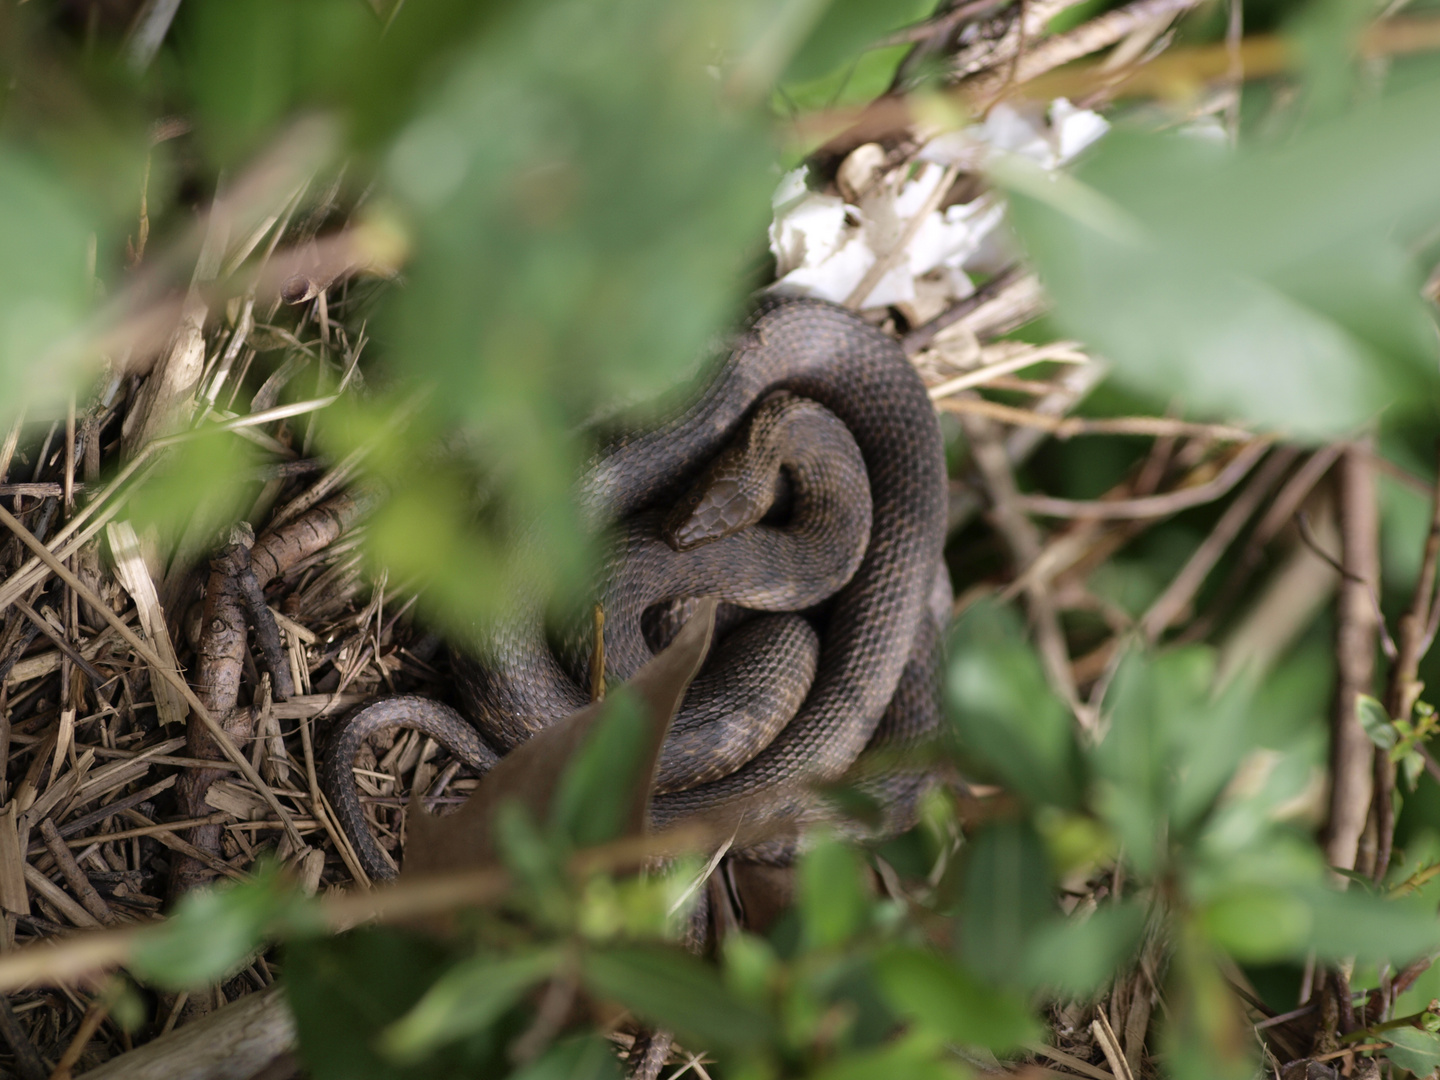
x: 825, y: 245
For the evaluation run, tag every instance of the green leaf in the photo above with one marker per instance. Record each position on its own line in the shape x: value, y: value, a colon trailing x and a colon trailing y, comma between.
x: 1413, y: 1049
x: 1376, y: 721
x: 345, y: 990
x: 44, y: 280
x: 833, y: 906
x: 588, y: 775
x: 1170, y: 750
x: 1259, y: 923
x: 846, y: 29
x: 912, y: 1057
x: 1356, y: 923
x: 594, y: 800
x: 213, y: 931
x: 750, y: 965
x: 1077, y: 956
x: 1205, y: 1034
x: 209, y: 475
x: 587, y: 1058
x: 941, y: 996
x: 1005, y: 717
x: 674, y: 991
x: 1006, y: 897
x: 464, y: 1000
x: 583, y: 203
x: 1260, y: 284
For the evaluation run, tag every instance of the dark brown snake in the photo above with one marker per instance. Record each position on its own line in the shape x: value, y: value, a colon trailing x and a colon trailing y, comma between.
x: 874, y: 678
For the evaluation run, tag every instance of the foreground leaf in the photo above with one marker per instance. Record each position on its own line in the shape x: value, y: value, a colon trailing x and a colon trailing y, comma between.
x: 942, y: 998
x: 560, y: 774
x: 214, y: 931
x: 1413, y: 1049
x: 1270, y: 284
x: 674, y: 991
x: 464, y: 1000
x: 344, y: 991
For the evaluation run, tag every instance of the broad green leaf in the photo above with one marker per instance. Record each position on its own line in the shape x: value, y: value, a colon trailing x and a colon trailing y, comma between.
x: 209, y: 475
x: 1078, y: 956
x: 594, y: 801
x: 674, y: 991
x: 1212, y: 736
x: 1355, y: 923
x: 1205, y: 1034
x: 45, y: 285
x: 345, y: 990
x: 573, y: 774
x: 857, y: 81
x: 1003, y: 714
x: 214, y: 930
x: 465, y: 1000
x: 1325, y: 35
x: 833, y: 906
x: 1135, y: 763
x: 844, y: 31
x: 1413, y: 1049
x: 914, y: 1058
x: 1376, y: 722
x: 1259, y: 923
x: 587, y: 1058
x: 1170, y: 750
x: 583, y: 201
x: 1260, y: 284
x: 1006, y: 897
x: 750, y: 965
x: 943, y: 998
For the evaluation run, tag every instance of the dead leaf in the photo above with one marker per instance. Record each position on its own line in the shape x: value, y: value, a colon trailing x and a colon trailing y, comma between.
x: 533, y: 774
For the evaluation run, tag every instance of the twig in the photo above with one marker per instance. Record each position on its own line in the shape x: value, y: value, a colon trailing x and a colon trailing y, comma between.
x: 96, y: 679
x: 1110, y: 1046
x: 925, y: 333
x: 1276, y: 517
x: 1070, y: 1061
x: 1090, y: 37
x: 1066, y: 427
x: 149, y: 32
x: 1402, y: 688
x: 1307, y: 536
x: 1187, y: 582
x: 70, y: 870
x: 27, y: 1058
x: 1023, y: 540
x: 939, y: 25
x: 1059, y: 352
x: 82, y: 955
x: 57, y: 897
x: 1152, y: 505
x: 94, y: 1017
x: 1351, y: 752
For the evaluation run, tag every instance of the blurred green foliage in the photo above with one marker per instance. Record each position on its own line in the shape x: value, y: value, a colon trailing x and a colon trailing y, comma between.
x: 581, y: 189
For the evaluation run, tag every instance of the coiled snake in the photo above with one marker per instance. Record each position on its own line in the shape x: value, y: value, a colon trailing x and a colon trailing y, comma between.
x: 841, y: 395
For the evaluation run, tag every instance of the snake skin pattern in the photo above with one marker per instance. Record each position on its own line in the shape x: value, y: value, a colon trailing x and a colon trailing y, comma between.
x: 874, y: 677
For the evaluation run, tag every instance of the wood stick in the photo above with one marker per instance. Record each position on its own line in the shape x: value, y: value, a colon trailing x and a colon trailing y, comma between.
x: 1351, y: 752
x: 70, y: 870
x: 58, y: 898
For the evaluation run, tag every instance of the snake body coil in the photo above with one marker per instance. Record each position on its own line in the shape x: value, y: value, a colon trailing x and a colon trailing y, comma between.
x: 881, y: 624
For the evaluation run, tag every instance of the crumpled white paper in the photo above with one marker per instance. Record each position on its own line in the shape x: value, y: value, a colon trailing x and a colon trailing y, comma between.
x: 824, y: 246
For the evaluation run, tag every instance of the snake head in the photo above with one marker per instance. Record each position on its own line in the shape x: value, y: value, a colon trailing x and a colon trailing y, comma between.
x: 721, y: 504
x: 740, y: 487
